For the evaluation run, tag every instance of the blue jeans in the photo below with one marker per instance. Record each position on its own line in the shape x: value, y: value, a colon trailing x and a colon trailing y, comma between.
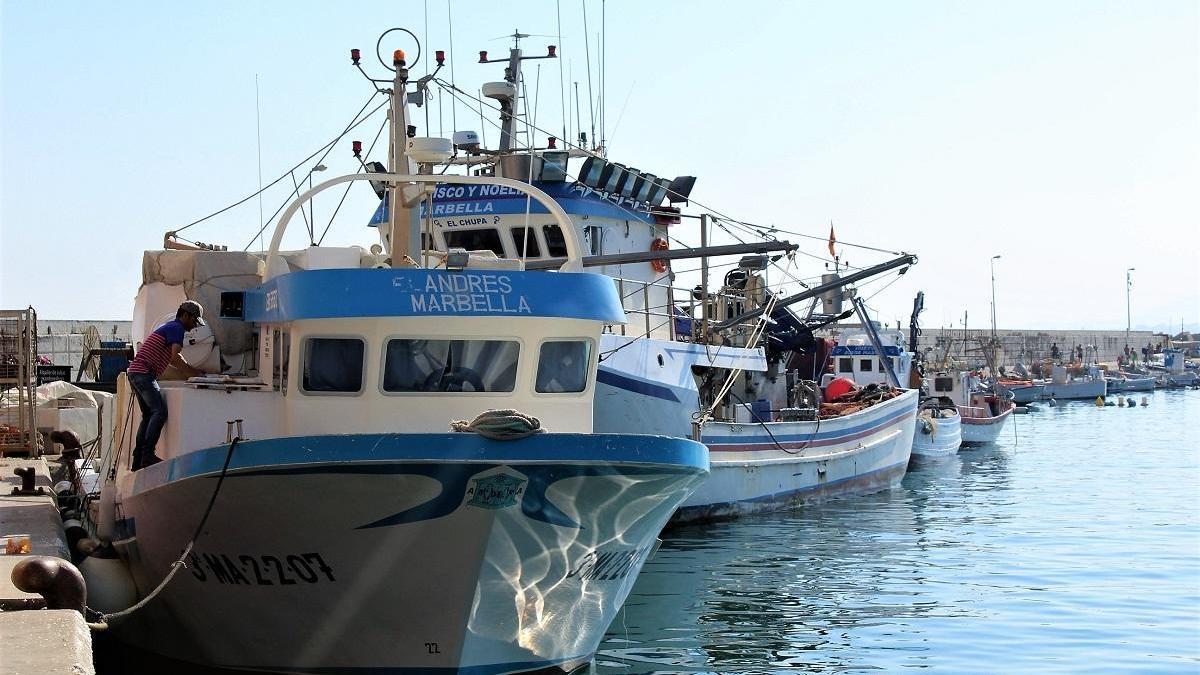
x: 154, y: 416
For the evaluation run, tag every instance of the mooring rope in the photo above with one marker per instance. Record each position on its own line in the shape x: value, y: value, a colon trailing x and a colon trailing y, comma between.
x: 500, y: 425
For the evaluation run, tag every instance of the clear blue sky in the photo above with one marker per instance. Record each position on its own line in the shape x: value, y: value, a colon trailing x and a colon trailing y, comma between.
x: 1064, y: 136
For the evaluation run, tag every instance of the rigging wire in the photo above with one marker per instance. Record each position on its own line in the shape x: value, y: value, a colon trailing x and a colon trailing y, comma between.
x: 348, y: 185
x: 328, y: 148
x: 289, y: 171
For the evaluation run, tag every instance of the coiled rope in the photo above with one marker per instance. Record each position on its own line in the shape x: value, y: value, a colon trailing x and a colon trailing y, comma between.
x: 500, y: 425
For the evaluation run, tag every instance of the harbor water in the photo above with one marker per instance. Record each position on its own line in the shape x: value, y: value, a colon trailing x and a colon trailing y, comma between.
x: 1071, y: 545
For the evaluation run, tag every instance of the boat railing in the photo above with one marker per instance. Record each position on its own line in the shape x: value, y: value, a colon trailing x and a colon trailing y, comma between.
x: 661, y: 310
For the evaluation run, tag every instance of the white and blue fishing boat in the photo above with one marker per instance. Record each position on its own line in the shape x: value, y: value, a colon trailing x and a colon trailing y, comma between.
x: 330, y: 520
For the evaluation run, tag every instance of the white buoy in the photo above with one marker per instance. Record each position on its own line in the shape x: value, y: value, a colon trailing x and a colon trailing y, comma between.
x: 1145, y: 402
x: 106, y: 520
x: 110, y: 586
x: 1120, y: 401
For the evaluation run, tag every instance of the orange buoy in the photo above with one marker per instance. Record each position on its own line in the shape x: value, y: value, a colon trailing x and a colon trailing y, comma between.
x: 659, y: 244
x: 840, y: 386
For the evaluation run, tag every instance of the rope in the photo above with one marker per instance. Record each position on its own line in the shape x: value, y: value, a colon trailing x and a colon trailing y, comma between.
x: 105, y: 619
x: 500, y: 425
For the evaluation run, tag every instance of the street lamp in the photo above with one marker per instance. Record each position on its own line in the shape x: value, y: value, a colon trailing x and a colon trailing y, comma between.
x: 992, y: 264
x: 311, y: 212
x: 1128, y: 287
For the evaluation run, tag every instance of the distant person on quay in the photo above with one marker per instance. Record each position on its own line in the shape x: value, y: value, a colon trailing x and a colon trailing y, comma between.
x: 159, y: 350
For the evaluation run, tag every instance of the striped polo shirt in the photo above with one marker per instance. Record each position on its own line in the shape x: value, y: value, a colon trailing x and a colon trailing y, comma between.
x: 155, y: 353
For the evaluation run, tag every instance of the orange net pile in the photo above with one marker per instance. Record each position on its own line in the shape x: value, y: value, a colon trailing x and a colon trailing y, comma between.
x: 859, y: 399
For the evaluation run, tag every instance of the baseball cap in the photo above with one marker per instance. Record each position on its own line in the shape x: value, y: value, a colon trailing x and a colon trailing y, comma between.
x: 192, y: 307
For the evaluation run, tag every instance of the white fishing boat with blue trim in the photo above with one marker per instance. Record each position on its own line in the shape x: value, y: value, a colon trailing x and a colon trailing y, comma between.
x: 329, y: 519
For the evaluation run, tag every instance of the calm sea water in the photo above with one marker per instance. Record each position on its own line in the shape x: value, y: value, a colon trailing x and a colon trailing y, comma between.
x: 1072, y: 545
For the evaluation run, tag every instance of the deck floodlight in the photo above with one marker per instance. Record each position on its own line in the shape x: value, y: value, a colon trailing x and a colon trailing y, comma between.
x: 590, y: 173
x: 457, y: 259
x: 680, y: 188
x: 630, y: 184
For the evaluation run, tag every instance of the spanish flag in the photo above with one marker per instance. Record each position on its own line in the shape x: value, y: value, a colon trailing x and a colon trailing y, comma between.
x: 832, y: 240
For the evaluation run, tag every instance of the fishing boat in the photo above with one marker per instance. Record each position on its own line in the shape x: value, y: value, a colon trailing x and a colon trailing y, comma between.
x: 1174, y: 372
x: 1075, y: 382
x: 938, y: 427
x: 1124, y: 383
x: 983, y: 410
x: 1022, y: 391
x: 328, y: 517
x: 715, y: 364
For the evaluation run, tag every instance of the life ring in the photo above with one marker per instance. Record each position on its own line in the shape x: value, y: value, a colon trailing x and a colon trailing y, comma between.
x: 659, y: 244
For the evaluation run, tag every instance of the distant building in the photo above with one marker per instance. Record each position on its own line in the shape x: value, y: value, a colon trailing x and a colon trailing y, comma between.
x: 65, y: 341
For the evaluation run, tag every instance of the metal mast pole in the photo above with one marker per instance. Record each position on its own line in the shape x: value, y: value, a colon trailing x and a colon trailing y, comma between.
x: 704, y: 279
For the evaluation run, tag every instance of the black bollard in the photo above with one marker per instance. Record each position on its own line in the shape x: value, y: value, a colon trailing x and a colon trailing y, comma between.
x: 56, y: 580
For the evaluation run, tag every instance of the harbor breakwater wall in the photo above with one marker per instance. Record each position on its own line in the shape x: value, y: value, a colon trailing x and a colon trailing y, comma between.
x: 1028, y: 346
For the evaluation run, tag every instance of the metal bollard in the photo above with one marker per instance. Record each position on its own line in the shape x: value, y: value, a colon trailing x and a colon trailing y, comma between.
x: 56, y: 580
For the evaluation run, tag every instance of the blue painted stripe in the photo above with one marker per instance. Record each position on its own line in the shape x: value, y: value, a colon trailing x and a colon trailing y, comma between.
x: 614, y: 379
x: 347, y: 293
x: 901, y: 411
x: 382, y: 453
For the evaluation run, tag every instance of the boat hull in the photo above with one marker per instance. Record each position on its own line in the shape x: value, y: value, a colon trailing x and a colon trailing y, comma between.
x: 760, y: 468
x: 936, y: 437
x: 981, y: 430
x: 1025, y: 394
x: 1076, y: 389
x: 364, y: 552
x: 1123, y: 385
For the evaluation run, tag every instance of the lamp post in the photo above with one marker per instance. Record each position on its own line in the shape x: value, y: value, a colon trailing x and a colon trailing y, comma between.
x: 992, y: 264
x: 1128, y: 287
x: 312, y: 216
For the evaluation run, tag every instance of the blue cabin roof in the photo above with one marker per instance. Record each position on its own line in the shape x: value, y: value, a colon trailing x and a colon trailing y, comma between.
x: 357, y: 293
x: 577, y: 199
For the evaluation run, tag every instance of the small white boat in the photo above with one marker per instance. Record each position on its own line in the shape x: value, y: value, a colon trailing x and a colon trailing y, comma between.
x: 938, y: 430
x: 983, y: 413
x: 1126, y: 383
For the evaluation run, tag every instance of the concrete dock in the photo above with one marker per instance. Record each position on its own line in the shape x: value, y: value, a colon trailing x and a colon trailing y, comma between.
x: 34, y: 639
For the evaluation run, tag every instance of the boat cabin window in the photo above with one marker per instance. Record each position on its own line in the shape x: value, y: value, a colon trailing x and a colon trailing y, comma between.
x: 483, y: 239
x: 865, y: 365
x: 563, y: 366
x: 556, y: 246
x: 943, y: 384
x: 845, y: 365
x: 525, y: 239
x: 333, y: 365
x: 450, y: 365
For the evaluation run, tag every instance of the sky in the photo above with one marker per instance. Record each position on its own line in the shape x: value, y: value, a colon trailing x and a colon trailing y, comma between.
x: 1062, y: 136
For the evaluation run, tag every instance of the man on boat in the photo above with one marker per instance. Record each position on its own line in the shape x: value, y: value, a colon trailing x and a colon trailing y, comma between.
x: 159, y: 350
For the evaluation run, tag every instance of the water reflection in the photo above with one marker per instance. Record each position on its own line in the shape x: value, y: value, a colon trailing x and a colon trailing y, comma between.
x: 1049, y: 550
